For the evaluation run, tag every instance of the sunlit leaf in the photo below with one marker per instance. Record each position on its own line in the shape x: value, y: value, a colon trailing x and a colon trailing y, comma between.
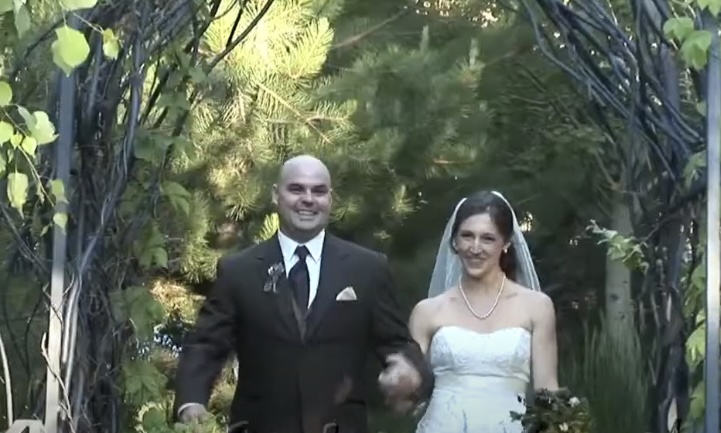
x: 17, y: 190
x: 60, y: 219
x: 111, y: 44
x: 16, y: 139
x: 57, y: 189
x: 6, y: 131
x: 73, y: 5
x: 42, y: 129
x: 6, y: 94
x: 70, y: 49
x: 29, y: 145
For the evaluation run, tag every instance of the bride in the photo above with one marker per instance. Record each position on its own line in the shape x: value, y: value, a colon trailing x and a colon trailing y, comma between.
x: 484, y: 318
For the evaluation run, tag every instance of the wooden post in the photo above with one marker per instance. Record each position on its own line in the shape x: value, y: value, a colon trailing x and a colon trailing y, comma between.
x: 713, y: 219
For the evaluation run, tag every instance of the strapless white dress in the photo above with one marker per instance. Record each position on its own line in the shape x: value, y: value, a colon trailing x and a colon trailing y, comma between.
x: 478, y: 380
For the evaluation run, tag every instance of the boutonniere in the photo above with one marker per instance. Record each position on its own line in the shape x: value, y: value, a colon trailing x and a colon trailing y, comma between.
x: 274, y: 272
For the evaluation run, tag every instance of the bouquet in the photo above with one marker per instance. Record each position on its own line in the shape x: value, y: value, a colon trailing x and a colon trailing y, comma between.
x: 555, y: 412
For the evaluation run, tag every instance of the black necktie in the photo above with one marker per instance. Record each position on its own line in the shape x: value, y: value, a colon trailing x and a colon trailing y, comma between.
x: 300, y: 278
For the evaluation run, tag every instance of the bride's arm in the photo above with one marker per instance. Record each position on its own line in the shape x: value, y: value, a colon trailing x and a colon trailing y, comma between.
x: 420, y: 327
x: 544, y: 347
x: 420, y: 324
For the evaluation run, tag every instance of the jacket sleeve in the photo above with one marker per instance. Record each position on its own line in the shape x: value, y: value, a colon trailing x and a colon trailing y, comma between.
x: 391, y: 334
x: 208, y: 344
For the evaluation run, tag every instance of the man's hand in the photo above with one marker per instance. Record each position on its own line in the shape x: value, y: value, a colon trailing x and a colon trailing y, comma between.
x: 400, y: 380
x: 193, y: 412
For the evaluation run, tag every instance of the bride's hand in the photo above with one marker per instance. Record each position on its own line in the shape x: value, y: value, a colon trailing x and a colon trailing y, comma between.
x: 401, y: 407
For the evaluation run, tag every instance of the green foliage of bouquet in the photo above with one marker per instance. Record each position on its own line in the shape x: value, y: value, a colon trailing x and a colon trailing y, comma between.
x: 555, y: 412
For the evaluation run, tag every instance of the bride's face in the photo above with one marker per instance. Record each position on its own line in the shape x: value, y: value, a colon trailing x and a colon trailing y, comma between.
x: 479, y: 245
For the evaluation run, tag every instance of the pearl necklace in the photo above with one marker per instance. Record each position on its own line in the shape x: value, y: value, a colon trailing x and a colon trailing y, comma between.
x: 493, y: 307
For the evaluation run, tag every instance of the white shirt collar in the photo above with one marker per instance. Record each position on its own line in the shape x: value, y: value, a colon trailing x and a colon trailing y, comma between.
x: 288, y: 245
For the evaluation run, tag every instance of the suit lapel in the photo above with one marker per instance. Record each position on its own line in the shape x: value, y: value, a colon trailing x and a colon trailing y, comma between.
x: 330, y: 282
x: 269, y: 256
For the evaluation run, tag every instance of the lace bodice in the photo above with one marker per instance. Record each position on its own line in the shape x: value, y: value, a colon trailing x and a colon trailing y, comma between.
x: 478, y: 380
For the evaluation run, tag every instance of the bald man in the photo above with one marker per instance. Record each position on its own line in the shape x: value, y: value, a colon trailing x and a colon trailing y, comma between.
x: 301, y: 311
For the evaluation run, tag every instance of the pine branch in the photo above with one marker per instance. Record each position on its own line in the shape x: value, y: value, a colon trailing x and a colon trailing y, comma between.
x: 360, y: 36
x: 297, y: 113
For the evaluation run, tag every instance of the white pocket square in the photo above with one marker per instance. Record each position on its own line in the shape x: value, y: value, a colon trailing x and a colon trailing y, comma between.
x: 347, y: 294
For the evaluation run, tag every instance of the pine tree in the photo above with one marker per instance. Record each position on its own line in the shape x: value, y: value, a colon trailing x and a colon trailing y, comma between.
x: 389, y: 121
x: 394, y: 118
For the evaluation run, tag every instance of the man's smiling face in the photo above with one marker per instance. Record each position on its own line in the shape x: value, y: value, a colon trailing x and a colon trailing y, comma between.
x: 303, y: 198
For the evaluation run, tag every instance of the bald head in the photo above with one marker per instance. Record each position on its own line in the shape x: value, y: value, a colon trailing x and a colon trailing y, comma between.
x: 303, y: 164
x: 303, y: 197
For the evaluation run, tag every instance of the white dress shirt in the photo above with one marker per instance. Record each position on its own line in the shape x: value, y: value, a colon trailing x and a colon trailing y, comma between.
x: 315, y: 250
x: 287, y: 248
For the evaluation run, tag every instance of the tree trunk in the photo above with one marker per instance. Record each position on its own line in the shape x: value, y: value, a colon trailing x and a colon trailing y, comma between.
x: 619, y: 303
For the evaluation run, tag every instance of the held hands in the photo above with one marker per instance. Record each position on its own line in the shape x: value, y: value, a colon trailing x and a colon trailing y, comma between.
x: 399, y: 382
x: 193, y: 412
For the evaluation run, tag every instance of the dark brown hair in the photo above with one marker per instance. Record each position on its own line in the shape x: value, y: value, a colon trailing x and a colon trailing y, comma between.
x: 487, y: 202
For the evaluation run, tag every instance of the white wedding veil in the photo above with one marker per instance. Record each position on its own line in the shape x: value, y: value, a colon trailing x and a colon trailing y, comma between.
x: 447, y: 270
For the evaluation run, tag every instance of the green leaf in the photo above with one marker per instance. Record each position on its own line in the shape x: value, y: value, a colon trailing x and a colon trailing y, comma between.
x: 42, y: 129
x: 143, y: 382
x: 150, y: 248
x: 696, y: 346
x: 17, y: 190
x: 22, y: 20
x: 74, y: 5
x: 6, y: 131
x: 714, y: 6
x: 151, y: 148
x: 178, y: 196
x: 174, y: 188
x: 6, y: 6
x: 60, y: 219
x: 6, y: 94
x: 678, y: 28
x: 154, y: 419
x: 111, y: 44
x: 57, y: 189
x: 160, y: 257
x: 694, y: 50
x: 70, y: 49
x: 3, y: 164
x: 698, y: 401
x: 16, y: 139
x: 137, y: 305
x: 698, y: 277
x: 27, y: 117
x: 197, y: 75
x: 29, y: 145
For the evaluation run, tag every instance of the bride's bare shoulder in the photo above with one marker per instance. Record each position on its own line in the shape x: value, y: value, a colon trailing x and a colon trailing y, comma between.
x: 429, y: 306
x: 535, y: 296
x: 536, y: 301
